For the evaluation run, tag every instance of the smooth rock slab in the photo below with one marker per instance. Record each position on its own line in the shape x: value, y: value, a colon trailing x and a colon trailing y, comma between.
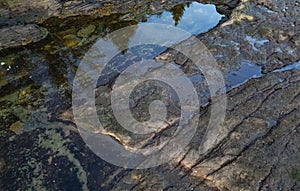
x: 21, y: 35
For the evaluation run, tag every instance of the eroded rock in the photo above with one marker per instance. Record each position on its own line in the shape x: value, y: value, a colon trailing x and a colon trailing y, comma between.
x: 259, y: 147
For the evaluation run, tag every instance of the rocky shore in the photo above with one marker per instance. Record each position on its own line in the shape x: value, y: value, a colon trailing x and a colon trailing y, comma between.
x: 259, y: 148
x: 24, y: 15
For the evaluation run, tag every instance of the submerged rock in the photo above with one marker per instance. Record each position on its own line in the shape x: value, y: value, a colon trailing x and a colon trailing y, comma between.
x: 15, y: 14
x: 87, y: 31
x: 258, y: 148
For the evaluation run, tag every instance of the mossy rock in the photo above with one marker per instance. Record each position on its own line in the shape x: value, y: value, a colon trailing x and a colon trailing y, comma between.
x: 264, y: 30
x: 86, y: 31
x: 70, y: 40
x: 9, y: 3
x: 296, y: 175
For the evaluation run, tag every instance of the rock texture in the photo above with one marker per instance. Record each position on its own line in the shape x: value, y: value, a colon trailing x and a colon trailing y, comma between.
x: 21, y: 35
x: 259, y: 149
x: 265, y: 33
x: 260, y: 152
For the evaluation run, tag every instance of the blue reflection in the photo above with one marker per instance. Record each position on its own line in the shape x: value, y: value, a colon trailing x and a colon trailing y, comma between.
x: 193, y: 17
x: 296, y: 66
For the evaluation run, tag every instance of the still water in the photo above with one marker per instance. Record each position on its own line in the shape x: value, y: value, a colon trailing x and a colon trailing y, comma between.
x: 193, y: 17
x: 36, y: 90
x: 36, y: 80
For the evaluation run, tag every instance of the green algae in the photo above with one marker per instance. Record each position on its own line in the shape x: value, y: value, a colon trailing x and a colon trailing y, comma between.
x: 56, y: 143
x: 9, y: 3
x: 86, y: 31
x: 296, y: 175
x: 264, y: 30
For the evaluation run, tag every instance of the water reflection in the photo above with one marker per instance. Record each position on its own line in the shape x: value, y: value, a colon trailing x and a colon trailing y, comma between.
x: 178, y: 11
x: 193, y: 17
x: 36, y: 80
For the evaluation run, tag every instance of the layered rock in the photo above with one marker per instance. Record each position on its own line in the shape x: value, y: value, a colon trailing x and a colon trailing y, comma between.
x: 259, y: 149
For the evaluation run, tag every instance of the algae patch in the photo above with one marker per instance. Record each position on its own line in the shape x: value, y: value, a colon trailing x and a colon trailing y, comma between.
x: 55, y: 142
x: 296, y: 175
x: 87, y: 31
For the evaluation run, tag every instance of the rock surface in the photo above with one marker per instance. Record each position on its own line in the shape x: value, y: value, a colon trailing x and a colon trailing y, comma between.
x: 259, y: 148
x: 265, y: 33
x: 259, y: 152
x: 21, y: 35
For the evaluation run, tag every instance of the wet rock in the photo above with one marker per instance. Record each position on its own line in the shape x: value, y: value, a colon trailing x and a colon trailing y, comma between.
x: 51, y: 159
x: 259, y: 149
x: 21, y: 35
x: 259, y: 32
x: 17, y: 13
x: 275, y: 32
